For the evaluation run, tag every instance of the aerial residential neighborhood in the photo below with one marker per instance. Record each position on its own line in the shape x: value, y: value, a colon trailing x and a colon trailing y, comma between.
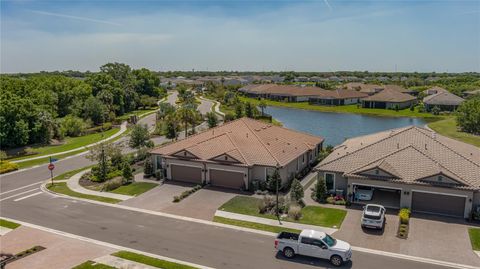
x: 239, y: 134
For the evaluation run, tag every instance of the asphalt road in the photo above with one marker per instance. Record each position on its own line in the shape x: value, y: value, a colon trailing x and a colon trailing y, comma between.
x: 198, y: 243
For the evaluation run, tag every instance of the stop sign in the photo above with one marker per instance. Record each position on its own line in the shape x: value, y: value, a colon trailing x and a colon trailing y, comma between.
x: 51, y: 166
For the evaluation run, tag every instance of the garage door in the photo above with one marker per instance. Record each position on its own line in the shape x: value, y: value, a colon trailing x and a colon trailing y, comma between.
x: 438, y: 204
x: 227, y: 179
x: 186, y: 173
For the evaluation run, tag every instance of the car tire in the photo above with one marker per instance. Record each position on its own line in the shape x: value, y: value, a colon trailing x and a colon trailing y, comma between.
x: 336, y: 260
x: 288, y: 253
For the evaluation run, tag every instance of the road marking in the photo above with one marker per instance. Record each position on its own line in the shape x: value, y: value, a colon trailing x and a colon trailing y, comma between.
x: 18, y: 194
x: 211, y: 223
x: 105, y: 244
x: 28, y: 196
x: 26, y: 186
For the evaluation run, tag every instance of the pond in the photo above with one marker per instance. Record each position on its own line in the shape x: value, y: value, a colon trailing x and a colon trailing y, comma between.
x: 336, y: 127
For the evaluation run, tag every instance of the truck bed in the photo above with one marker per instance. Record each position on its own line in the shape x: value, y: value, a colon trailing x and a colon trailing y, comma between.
x: 288, y: 236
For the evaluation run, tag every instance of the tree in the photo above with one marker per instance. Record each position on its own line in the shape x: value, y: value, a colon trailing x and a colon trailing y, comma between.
x: 239, y: 110
x: 262, y: 105
x: 139, y: 136
x: 186, y: 115
x: 172, y: 127
x: 212, y: 119
x: 248, y: 110
x: 468, y: 116
x: 319, y: 192
x: 273, y: 180
x: 435, y: 110
x: 72, y: 126
x: 127, y: 173
x: 95, y: 110
x: 148, y: 167
x: 296, y: 190
x: 165, y: 109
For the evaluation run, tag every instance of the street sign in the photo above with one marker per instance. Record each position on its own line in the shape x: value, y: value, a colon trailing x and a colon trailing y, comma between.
x: 51, y: 166
x: 53, y: 160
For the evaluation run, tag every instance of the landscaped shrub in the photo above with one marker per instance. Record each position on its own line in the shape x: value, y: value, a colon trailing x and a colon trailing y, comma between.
x: 296, y: 190
x: 404, y: 215
x: 148, y: 167
x: 185, y: 194
x: 336, y: 200
x: 319, y: 191
x: 112, y: 184
x: 295, y: 212
x: 6, y: 166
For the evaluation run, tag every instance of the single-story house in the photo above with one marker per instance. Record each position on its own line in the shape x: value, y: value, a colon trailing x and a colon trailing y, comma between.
x: 444, y: 100
x: 389, y: 99
x: 434, y: 90
x: 338, y: 97
x: 470, y: 94
x: 369, y: 89
x: 237, y: 153
x: 289, y: 93
x: 410, y: 167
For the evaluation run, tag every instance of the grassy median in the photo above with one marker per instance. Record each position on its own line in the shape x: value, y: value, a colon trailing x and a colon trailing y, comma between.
x: 313, y: 215
x: 254, y: 225
x: 9, y: 224
x: 62, y: 188
x: 93, y: 265
x: 150, y: 260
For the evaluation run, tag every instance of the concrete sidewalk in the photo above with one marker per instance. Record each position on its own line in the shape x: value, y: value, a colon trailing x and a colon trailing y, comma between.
x: 73, y: 184
x: 123, y: 128
x: 273, y: 222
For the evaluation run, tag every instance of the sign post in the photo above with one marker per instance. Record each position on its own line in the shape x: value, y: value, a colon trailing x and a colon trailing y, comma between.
x: 51, y: 166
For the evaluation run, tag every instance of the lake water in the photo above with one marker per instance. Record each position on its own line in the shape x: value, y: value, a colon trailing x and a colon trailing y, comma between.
x: 336, y: 127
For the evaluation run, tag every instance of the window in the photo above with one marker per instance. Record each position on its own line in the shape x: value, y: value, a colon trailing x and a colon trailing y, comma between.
x: 307, y: 240
x: 377, y: 172
x: 330, y: 241
x: 303, y: 158
x: 440, y: 178
x: 330, y: 181
x: 269, y: 172
x: 159, y: 162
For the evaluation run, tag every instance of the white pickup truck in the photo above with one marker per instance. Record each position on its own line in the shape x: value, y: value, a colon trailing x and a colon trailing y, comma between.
x: 314, y: 244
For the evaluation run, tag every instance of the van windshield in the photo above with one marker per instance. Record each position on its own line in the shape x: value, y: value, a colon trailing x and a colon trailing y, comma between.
x: 330, y: 241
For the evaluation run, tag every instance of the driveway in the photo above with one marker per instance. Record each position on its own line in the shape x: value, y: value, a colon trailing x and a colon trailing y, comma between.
x: 431, y: 237
x: 159, y: 197
x: 202, y: 204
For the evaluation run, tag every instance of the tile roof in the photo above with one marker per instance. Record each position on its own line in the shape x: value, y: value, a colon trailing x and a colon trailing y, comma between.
x: 248, y: 141
x: 291, y: 90
x: 390, y: 95
x: 443, y: 98
x: 409, y: 154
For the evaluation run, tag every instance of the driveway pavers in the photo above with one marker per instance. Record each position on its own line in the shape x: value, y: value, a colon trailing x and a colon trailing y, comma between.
x: 438, y: 238
x: 61, y: 252
x: 202, y: 204
x: 159, y: 197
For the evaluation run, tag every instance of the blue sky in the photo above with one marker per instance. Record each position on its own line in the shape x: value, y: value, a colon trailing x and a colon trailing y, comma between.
x: 326, y: 35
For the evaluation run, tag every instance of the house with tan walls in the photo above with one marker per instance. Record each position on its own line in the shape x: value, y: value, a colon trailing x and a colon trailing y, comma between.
x: 236, y: 153
x: 409, y: 167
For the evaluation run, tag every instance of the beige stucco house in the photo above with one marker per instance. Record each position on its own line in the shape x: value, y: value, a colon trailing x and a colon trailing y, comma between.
x: 236, y: 153
x: 410, y: 167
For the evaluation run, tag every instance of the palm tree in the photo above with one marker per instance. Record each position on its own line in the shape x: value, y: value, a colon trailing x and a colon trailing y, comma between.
x: 262, y: 105
x: 186, y: 114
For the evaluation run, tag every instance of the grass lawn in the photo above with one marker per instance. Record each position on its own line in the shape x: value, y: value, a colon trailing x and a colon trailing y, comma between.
x: 150, y: 260
x: 92, y: 265
x: 313, y: 215
x: 448, y: 127
x: 47, y: 159
x: 474, y: 234
x: 61, y: 187
x: 70, y: 143
x: 139, y: 112
x: 345, y: 109
x: 9, y: 224
x: 135, y: 188
x: 254, y: 225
